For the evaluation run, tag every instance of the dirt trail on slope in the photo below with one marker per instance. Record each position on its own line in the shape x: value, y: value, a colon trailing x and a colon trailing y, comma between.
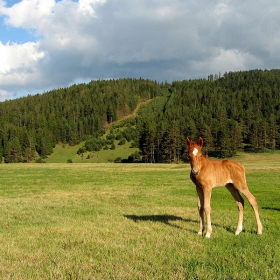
x: 133, y: 114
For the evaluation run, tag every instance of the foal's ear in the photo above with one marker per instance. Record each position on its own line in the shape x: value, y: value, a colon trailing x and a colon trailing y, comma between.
x: 200, y: 142
x: 188, y: 142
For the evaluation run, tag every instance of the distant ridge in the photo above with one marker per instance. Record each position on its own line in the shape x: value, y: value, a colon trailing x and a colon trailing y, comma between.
x: 232, y: 112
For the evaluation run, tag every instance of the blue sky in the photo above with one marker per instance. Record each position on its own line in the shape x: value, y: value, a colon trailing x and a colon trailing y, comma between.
x: 47, y: 44
x: 9, y: 33
x: 16, y: 35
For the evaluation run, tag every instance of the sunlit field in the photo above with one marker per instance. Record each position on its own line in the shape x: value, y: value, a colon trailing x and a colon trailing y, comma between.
x: 133, y: 221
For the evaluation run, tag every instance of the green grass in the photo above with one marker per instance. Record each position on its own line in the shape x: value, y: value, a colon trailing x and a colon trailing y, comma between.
x: 63, y: 152
x: 132, y: 221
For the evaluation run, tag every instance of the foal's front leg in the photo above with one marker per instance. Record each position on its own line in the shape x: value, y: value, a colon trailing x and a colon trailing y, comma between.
x: 200, y: 206
x: 207, y: 209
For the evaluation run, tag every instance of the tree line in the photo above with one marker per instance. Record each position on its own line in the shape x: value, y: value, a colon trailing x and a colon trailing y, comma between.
x: 239, y: 110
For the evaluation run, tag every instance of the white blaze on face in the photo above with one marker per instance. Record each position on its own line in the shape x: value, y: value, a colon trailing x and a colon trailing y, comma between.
x: 195, y: 151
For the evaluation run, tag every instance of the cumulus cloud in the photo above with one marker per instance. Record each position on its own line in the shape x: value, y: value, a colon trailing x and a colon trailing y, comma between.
x: 14, y: 56
x: 160, y: 39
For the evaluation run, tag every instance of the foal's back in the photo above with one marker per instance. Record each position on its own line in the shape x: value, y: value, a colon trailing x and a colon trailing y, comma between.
x: 223, y: 172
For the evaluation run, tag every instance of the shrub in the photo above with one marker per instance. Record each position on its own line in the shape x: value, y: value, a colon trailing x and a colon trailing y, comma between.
x: 119, y: 136
x: 110, y: 137
x: 118, y: 159
x: 80, y: 151
x: 122, y: 142
x: 39, y: 160
x: 134, y: 157
x: 134, y: 144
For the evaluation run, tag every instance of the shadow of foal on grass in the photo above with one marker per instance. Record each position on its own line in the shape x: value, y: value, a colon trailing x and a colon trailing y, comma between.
x: 271, y: 208
x: 165, y: 219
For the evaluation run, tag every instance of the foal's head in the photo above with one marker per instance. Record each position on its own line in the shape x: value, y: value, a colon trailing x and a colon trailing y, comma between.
x: 195, y: 154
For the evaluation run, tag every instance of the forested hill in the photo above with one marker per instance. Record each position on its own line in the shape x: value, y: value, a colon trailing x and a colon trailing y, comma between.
x: 32, y: 125
x: 239, y: 110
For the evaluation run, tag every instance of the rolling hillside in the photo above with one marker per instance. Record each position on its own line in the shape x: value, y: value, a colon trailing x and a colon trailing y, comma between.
x: 239, y: 111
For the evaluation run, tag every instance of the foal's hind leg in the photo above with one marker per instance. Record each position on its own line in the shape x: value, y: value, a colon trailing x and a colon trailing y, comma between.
x: 240, y: 204
x: 254, y: 205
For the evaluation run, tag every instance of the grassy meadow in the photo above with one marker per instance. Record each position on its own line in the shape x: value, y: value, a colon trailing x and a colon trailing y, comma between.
x: 133, y: 221
x: 64, y: 152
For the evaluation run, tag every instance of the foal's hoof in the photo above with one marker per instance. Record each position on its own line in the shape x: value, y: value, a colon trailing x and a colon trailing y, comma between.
x: 207, y: 235
x: 260, y: 232
x: 238, y: 231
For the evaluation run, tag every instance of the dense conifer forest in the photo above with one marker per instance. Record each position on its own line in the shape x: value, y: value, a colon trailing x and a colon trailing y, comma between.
x: 31, y: 126
x: 236, y: 111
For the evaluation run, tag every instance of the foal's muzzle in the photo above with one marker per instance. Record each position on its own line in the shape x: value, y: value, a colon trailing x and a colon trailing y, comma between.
x: 195, y: 172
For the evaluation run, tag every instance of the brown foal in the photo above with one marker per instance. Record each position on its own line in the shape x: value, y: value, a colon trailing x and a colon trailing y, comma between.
x: 207, y: 174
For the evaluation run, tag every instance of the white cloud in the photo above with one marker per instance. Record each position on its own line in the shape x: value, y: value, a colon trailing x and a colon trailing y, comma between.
x: 159, y: 39
x: 221, y: 10
x: 4, y: 95
x: 225, y: 61
x: 18, y: 66
x: 14, y: 56
x: 28, y: 13
x: 87, y: 6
